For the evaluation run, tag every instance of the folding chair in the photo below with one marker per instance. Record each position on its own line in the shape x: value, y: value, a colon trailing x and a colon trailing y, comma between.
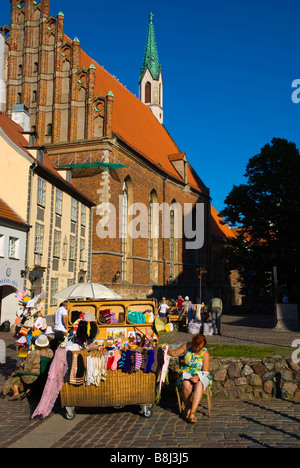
x: 206, y: 392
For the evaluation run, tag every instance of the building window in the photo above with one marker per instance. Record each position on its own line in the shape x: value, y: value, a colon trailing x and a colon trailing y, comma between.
x: 148, y: 93
x: 40, y: 156
x: 83, y: 215
x: 82, y: 250
x: 49, y: 130
x: 1, y: 245
x: 41, y: 197
x: 74, y: 209
x: 19, y: 98
x: 14, y: 248
x: 153, y: 234
x: 70, y: 281
x: 53, y: 290
x: 124, y: 230
x: 34, y: 96
x: 72, y: 252
x: 57, y: 244
x: 58, y: 202
x: 172, y: 243
x: 39, y: 239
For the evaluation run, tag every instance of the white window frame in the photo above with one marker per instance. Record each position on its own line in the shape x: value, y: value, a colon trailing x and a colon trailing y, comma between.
x: 56, y: 244
x: 58, y: 202
x: 41, y: 192
x: 1, y: 245
x: 14, y: 248
x: 74, y: 210
x: 39, y: 239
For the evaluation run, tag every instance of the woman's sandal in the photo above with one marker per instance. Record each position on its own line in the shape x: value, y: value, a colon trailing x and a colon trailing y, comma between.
x: 192, y: 419
x: 185, y: 413
x: 15, y: 397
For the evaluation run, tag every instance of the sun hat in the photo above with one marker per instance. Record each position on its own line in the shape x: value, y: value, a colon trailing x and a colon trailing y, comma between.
x: 42, y: 341
x: 49, y: 331
x: 28, y: 322
x: 89, y: 317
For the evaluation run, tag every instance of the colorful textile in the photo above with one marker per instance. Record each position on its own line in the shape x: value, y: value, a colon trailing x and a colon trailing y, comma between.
x: 194, y: 366
x: 54, y: 384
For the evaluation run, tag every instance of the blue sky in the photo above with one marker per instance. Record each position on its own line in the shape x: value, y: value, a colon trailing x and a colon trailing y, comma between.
x: 227, y: 67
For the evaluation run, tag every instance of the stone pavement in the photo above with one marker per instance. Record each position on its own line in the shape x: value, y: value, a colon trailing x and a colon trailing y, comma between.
x: 234, y: 423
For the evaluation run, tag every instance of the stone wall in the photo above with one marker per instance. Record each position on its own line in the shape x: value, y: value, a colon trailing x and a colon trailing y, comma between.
x: 275, y: 377
x: 248, y: 378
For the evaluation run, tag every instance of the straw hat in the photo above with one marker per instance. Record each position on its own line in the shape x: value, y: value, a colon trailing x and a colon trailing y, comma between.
x: 28, y: 323
x: 42, y: 341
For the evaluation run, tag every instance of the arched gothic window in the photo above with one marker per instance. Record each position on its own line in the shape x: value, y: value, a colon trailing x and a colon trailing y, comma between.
x: 127, y: 241
x: 153, y: 227
x: 124, y: 229
x: 148, y: 93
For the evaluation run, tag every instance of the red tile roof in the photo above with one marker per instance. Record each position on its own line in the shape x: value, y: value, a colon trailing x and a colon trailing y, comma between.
x: 218, y: 230
x: 14, y: 133
x: 134, y: 123
x: 7, y: 213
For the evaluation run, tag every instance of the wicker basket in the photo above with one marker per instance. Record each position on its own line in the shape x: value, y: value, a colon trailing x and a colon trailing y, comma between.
x: 119, y: 389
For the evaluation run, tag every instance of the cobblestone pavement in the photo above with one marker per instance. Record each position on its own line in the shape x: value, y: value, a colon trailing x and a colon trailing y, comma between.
x: 233, y: 423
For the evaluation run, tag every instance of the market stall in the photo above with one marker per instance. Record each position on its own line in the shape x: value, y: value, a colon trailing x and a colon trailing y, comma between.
x: 113, y: 357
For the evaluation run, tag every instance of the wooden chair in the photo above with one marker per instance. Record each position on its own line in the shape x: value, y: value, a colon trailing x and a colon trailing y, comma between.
x: 206, y: 392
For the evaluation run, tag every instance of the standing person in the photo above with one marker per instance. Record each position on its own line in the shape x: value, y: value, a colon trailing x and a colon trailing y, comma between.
x: 61, y: 318
x: 163, y: 308
x: 179, y: 303
x: 216, y: 309
x: 187, y: 308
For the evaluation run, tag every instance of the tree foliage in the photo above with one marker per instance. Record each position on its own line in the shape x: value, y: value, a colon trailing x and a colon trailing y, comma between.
x: 267, y: 211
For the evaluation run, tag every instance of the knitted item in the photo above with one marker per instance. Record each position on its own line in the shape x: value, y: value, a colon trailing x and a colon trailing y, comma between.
x: 150, y: 360
x: 117, y: 358
x: 80, y: 367
x: 110, y: 361
x: 69, y: 362
x: 138, y: 361
x: 154, y: 365
x: 127, y: 364
x: 122, y: 360
x: 113, y: 318
x: 106, y: 315
x: 144, y: 359
x: 132, y: 364
x: 73, y: 375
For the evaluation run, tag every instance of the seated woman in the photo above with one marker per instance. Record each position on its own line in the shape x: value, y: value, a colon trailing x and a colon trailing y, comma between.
x: 30, y: 370
x: 194, y: 375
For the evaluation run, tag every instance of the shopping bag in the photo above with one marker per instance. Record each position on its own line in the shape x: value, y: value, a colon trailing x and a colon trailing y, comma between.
x: 159, y: 325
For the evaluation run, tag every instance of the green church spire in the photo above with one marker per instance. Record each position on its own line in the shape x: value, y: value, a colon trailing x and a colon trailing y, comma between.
x: 151, y: 56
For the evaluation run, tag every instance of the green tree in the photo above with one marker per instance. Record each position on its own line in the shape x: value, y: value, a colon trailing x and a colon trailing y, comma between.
x: 267, y: 211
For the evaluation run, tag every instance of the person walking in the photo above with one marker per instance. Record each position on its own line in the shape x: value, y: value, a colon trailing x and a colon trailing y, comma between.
x: 216, y: 309
x: 163, y: 308
x: 61, y: 318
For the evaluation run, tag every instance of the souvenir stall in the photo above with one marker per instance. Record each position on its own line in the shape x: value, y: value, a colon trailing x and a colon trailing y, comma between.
x: 29, y: 324
x: 112, y: 356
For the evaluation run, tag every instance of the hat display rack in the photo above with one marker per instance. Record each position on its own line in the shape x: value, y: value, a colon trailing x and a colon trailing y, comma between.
x: 29, y: 323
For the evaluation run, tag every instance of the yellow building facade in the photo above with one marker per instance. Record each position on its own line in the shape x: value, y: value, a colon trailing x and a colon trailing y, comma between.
x: 58, y: 243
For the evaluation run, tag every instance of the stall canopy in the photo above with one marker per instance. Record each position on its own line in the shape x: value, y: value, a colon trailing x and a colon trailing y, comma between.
x: 86, y: 291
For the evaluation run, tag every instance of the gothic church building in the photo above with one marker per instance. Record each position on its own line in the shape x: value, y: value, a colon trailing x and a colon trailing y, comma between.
x: 115, y: 148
